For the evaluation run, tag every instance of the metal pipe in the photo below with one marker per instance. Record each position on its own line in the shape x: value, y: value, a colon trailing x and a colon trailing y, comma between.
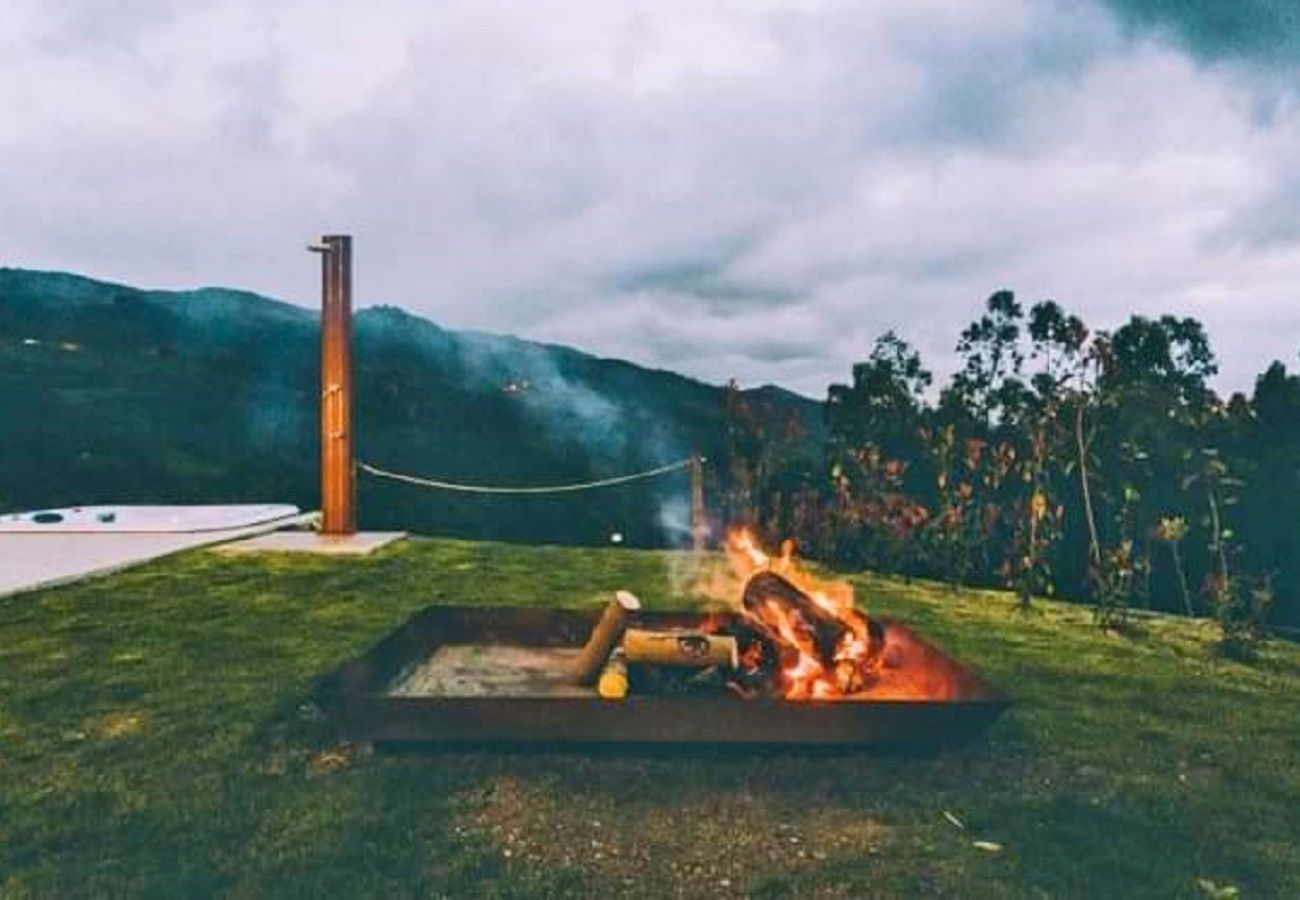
x: 338, y: 474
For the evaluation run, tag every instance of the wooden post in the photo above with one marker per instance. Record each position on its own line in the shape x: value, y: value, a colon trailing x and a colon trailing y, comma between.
x: 338, y: 475
x: 699, y: 523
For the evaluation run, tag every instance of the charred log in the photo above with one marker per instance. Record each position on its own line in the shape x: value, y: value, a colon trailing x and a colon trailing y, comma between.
x: 763, y: 655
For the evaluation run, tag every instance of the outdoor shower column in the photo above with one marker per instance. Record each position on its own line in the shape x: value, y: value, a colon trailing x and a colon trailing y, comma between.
x: 338, y: 486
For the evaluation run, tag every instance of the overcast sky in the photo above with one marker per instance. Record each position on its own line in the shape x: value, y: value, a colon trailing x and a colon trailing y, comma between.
x: 749, y: 189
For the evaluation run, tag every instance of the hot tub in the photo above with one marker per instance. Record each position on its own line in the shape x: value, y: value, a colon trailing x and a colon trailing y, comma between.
x: 145, y: 519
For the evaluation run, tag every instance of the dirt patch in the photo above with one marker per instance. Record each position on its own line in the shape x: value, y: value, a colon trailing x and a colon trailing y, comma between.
x: 718, y: 844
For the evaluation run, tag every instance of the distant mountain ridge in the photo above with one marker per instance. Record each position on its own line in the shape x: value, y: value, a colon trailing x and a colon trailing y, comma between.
x: 110, y: 393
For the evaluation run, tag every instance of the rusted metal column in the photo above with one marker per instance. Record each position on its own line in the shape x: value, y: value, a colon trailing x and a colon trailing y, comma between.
x: 699, y: 524
x: 338, y: 486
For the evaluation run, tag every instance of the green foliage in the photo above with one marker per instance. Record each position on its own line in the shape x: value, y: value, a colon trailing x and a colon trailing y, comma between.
x: 1058, y: 459
x: 763, y: 465
x: 1240, y: 605
x: 953, y: 539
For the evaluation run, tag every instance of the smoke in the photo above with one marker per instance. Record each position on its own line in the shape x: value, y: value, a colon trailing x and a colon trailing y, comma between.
x: 583, y: 418
x: 573, y: 411
x: 702, y: 576
x: 675, y: 521
x: 563, y: 408
x: 558, y: 391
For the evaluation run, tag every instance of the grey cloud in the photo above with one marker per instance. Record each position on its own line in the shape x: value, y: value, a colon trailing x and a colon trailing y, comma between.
x: 1262, y: 31
x: 775, y: 350
x: 744, y: 189
x: 79, y: 26
x: 1270, y: 222
x: 705, y: 281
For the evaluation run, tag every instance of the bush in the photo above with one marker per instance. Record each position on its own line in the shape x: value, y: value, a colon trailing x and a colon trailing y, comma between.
x: 1241, y: 605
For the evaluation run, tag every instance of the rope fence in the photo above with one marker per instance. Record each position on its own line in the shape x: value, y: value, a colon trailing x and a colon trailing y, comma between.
x: 538, y: 489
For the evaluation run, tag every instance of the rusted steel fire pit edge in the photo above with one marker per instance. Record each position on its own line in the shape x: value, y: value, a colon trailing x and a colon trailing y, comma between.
x: 356, y: 697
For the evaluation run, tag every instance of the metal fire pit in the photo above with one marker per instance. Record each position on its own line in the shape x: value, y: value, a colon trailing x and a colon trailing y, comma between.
x: 457, y: 675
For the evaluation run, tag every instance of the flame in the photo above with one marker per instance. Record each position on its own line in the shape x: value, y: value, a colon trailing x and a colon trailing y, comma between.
x: 808, y: 674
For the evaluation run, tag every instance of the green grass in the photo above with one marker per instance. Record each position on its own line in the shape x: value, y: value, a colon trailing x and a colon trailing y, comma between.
x: 156, y: 739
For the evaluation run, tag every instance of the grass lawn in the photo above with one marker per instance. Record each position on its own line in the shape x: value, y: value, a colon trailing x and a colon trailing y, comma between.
x: 155, y: 738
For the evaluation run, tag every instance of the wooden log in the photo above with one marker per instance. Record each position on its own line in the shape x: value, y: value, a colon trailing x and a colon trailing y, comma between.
x: 810, y: 626
x: 763, y: 655
x: 691, y: 649
x: 607, y: 633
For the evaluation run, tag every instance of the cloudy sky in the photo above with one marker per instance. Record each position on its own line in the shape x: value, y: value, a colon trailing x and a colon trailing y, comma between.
x: 752, y: 189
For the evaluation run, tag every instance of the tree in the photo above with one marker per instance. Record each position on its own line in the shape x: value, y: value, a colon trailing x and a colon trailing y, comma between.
x: 1263, y: 444
x: 761, y: 469
x: 1239, y: 604
x: 883, y: 404
x: 1158, y: 406
x: 1150, y: 407
x: 989, y: 383
x: 1171, y: 531
x: 1046, y: 417
x: 1056, y: 341
x: 874, y: 447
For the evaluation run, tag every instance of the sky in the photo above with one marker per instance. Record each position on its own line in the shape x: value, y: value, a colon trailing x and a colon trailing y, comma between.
x: 726, y: 189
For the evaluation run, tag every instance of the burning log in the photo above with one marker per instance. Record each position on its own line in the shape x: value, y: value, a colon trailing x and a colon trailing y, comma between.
x: 607, y: 633
x: 807, y: 621
x: 764, y: 655
x: 803, y: 643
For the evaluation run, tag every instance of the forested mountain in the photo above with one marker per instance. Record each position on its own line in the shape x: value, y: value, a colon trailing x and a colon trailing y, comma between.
x: 112, y: 394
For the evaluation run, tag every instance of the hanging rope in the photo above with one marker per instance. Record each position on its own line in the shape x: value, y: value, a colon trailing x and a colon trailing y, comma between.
x: 548, y: 489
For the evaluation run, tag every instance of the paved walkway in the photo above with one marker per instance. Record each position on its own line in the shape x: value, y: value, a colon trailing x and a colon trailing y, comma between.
x: 31, y: 561
x: 361, y: 543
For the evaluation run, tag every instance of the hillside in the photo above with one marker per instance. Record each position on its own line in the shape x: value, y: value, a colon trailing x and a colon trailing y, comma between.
x: 113, y: 394
x: 159, y: 740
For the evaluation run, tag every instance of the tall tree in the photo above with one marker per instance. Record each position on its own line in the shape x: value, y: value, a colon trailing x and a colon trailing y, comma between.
x: 883, y: 405
x: 873, y: 425
x: 1056, y: 344
x: 989, y: 383
x: 1158, y: 414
